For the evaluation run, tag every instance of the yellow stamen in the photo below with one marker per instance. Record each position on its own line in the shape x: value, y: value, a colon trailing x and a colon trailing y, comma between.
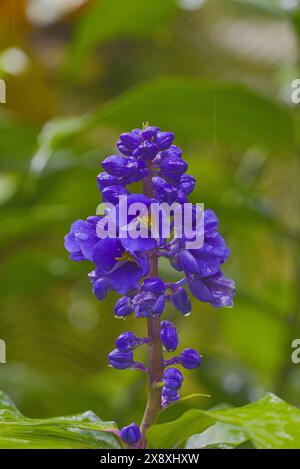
x: 126, y: 256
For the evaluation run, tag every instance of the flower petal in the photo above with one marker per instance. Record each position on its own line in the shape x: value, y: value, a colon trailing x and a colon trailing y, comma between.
x: 106, y: 252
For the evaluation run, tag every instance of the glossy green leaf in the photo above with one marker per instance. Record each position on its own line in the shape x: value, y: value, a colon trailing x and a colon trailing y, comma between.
x: 111, y: 19
x: 220, y: 435
x: 268, y: 423
x: 77, y: 431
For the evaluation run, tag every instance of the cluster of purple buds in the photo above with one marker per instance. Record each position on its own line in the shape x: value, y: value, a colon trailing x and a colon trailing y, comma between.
x: 122, y: 264
x: 172, y: 377
x: 121, y: 357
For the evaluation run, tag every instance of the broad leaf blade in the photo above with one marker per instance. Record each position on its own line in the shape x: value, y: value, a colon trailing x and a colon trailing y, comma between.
x: 268, y: 423
x: 78, y: 431
x: 222, y: 113
x: 210, y: 112
x: 218, y: 435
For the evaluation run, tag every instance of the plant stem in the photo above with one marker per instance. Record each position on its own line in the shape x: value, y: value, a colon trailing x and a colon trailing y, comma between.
x: 155, y: 365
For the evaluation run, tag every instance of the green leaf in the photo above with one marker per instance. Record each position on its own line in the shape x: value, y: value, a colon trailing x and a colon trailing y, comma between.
x: 219, y: 435
x: 268, y: 423
x: 110, y: 19
x: 210, y: 112
x: 177, y: 408
x: 77, y: 431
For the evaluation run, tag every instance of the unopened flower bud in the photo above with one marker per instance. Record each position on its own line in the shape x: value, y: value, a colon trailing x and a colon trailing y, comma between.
x: 173, y: 378
x: 106, y: 180
x: 116, y: 165
x: 187, y: 183
x: 150, y: 132
x: 172, y: 151
x: 136, y: 170
x: 181, y: 197
x: 190, y: 359
x: 123, y: 307
x: 181, y: 301
x: 147, y: 304
x: 154, y: 284
x: 131, y: 140
x: 168, y: 395
x: 122, y: 149
x: 120, y: 360
x: 111, y: 194
x: 169, y: 336
x: 100, y: 286
x: 173, y: 167
x: 147, y: 150
x: 164, y: 140
x: 188, y: 262
x: 130, y: 434
x: 163, y: 191
x: 128, y: 341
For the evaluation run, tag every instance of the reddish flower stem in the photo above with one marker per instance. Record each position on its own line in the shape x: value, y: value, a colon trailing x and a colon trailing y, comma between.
x: 155, y: 365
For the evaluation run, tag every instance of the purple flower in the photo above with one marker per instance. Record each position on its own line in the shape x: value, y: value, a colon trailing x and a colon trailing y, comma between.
x: 150, y: 300
x: 190, y: 359
x: 154, y: 285
x: 181, y: 197
x: 128, y: 341
x: 206, y: 260
x: 163, y: 191
x: 124, y: 150
x: 136, y: 170
x: 132, y: 139
x: 169, y: 336
x: 122, y: 257
x: 147, y: 304
x: 147, y: 150
x: 164, y: 140
x: 111, y: 194
x: 116, y: 268
x: 168, y: 395
x: 137, y: 222
x: 217, y: 289
x: 172, y: 151
x: 129, y: 141
x: 130, y: 434
x: 120, y: 360
x: 106, y: 180
x: 173, y: 378
x: 115, y: 165
x: 181, y: 301
x: 81, y: 240
x: 173, y: 167
x: 101, y: 286
x: 187, y: 183
x: 150, y: 132
x: 123, y: 307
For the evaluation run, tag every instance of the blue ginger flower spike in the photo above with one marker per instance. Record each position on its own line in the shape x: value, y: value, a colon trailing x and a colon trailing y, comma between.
x: 125, y: 243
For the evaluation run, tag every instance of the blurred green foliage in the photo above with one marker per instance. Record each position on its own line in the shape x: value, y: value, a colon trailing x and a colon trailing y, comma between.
x: 219, y: 74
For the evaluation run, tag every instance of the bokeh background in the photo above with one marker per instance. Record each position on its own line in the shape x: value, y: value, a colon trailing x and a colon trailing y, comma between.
x: 218, y: 73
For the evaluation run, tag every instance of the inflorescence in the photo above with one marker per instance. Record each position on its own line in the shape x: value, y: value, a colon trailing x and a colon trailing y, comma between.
x: 123, y: 264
